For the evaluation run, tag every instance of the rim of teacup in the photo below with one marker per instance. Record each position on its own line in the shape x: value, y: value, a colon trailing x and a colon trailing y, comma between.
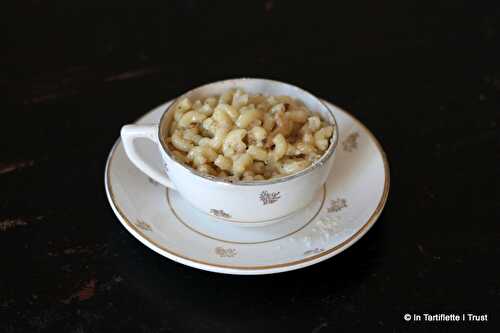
x: 326, y: 155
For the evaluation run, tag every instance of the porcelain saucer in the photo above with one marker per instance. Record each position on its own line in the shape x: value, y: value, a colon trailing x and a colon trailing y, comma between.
x: 343, y: 211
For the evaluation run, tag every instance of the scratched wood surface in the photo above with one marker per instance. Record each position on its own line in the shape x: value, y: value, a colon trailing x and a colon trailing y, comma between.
x: 425, y: 78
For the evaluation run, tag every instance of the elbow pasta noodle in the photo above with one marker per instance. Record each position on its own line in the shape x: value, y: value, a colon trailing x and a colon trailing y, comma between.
x: 222, y: 118
x: 257, y: 153
x: 224, y: 163
x: 280, y: 147
x: 233, y: 143
x: 257, y: 134
x: 191, y: 117
x: 321, y: 137
x: 268, y: 122
x: 248, y: 117
x: 191, y: 134
x: 241, y: 163
x: 238, y: 136
x: 228, y: 110
x: 180, y: 143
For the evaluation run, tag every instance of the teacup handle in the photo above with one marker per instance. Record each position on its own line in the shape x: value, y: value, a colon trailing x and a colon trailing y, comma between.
x: 131, y: 132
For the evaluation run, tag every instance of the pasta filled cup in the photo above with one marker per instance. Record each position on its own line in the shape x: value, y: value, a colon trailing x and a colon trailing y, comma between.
x: 243, y: 150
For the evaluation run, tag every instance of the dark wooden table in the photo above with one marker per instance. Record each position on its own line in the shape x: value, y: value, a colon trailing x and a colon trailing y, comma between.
x: 425, y: 78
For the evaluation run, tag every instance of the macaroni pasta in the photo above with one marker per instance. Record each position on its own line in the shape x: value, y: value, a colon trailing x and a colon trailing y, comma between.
x: 247, y: 137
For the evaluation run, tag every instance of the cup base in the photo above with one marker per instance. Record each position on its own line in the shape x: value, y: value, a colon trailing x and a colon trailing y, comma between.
x: 238, y: 232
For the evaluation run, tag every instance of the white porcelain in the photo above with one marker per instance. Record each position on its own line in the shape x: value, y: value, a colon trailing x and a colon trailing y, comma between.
x: 254, y: 203
x: 344, y: 209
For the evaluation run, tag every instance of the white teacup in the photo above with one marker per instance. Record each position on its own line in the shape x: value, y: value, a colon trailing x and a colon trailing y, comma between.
x: 247, y: 202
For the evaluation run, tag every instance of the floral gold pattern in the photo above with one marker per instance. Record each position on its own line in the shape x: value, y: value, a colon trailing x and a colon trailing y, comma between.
x: 351, y: 142
x: 269, y: 198
x: 143, y: 225
x: 313, y: 251
x: 337, y: 205
x: 225, y: 252
x: 219, y: 213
